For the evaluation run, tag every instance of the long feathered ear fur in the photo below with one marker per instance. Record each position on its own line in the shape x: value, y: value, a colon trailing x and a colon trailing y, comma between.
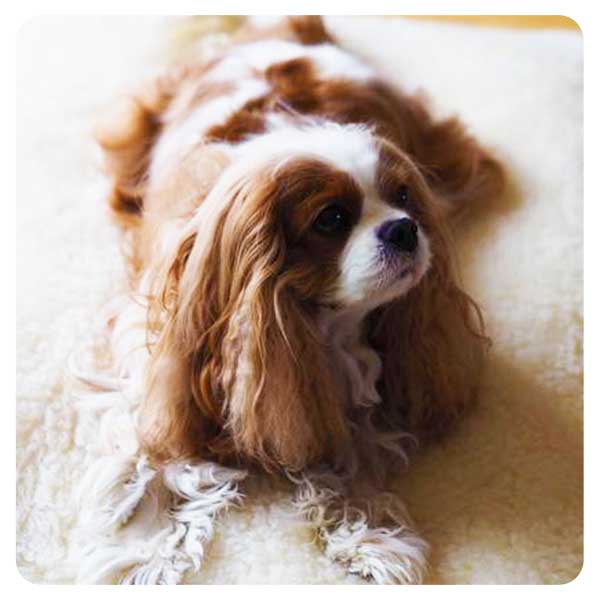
x: 231, y: 371
x: 461, y: 173
x: 431, y: 343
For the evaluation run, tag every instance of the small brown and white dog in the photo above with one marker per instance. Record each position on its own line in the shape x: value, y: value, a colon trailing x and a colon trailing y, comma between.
x: 287, y: 221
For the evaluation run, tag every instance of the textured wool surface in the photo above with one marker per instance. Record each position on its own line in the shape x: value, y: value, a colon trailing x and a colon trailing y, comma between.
x: 500, y: 500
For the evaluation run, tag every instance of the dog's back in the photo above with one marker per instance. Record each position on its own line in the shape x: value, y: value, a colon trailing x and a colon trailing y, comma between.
x: 171, y: 137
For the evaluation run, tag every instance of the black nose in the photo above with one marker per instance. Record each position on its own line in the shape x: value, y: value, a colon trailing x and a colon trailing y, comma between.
x: 402, y: 233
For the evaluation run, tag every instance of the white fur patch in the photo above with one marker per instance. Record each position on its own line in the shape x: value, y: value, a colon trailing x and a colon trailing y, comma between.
x: 360, y: 363
x: 175, y: 142
x: 348, y: 148
x: 244, y: 66
x: 351, y: 536
x: 362, y: 279
x: 154, y: 525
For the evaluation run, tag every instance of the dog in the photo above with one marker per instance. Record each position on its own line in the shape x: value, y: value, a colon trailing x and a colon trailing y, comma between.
x: 287, y: 218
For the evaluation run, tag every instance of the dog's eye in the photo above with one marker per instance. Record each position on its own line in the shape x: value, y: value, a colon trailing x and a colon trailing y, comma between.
x: 403, y: 195
x: 332, y: 220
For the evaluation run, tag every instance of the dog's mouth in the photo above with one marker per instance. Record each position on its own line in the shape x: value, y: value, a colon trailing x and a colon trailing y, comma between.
x: 399, y: 265
x: 401, y: 272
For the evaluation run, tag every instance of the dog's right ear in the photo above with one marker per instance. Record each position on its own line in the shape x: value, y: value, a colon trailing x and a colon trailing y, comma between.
x: 126, y: 134
x: 231, y: 367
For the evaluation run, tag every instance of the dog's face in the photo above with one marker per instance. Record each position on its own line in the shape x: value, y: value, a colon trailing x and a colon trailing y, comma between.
x: 347, y: 213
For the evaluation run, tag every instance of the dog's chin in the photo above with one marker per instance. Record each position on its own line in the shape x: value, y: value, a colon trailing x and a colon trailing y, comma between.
x: 397, y: 279
x: 393, y: 277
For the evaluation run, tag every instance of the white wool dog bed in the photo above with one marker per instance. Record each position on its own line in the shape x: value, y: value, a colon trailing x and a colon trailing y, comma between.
x: 500, y: 501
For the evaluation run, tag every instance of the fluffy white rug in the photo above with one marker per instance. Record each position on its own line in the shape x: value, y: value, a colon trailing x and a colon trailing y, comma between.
x: 501, y: 500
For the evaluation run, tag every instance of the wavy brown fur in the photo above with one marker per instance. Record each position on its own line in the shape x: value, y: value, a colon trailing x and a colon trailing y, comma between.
x: 254, y: 312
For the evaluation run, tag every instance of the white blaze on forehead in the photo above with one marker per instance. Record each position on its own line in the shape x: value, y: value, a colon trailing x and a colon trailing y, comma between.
x: 349, y: 148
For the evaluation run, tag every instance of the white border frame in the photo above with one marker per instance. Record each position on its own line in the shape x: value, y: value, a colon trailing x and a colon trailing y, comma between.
x: 581, y: 11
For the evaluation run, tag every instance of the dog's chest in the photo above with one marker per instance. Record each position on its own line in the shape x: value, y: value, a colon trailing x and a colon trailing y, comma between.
x: 359, y: 366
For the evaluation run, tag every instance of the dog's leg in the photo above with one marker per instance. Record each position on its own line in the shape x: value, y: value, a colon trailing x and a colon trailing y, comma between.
x: 371, y: 537
x: 156, y: 529
x: 199, y: 493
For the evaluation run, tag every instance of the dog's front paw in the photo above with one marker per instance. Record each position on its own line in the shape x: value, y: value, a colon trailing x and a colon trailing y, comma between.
x: 386, y: 556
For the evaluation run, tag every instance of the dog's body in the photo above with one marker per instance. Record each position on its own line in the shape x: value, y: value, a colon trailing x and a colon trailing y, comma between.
x: 286, y: 215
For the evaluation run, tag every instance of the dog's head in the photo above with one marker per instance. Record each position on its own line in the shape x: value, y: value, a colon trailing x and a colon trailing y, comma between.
x: 302, y: 225
x: 334, y: 216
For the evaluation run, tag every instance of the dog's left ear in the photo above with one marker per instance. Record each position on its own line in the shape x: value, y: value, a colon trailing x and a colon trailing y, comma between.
x: 431, y: 343
x: 460, y: 172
